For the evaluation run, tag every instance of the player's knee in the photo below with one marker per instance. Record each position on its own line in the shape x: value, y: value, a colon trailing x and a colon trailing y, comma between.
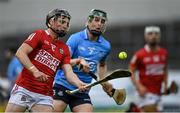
x: 83, y: 108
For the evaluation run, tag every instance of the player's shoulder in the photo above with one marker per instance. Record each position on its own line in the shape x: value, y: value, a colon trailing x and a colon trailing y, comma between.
x: 104, y: 41
x: 163, y: 49
x: 41, y: 31
x: 141, y: 51
x: 78, y: 35
x: 62, y: 43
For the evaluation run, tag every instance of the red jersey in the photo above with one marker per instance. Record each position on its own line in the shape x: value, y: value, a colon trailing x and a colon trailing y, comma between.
x: 151, y: 66
x: 47, y: 55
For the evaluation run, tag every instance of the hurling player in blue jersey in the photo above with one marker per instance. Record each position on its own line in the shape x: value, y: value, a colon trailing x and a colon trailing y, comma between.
x: 90, y: 49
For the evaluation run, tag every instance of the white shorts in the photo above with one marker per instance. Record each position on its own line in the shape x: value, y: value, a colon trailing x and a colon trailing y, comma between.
x: 23, y: 97
x: 149, y: 99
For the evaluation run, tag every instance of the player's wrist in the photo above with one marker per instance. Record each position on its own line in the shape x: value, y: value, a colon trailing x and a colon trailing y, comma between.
x: 105, y: 84
x: 78, y: 83
x: 33, y: 69
x: 78, y: 61
x: 30, y: 68
x: 137, y: 84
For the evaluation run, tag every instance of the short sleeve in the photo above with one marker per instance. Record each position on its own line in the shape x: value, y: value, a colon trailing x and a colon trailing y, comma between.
x: 134, y: 61
x: 105, y: 56
x: 108, y: 50
x: 72, y: 44
x: 34, y: 39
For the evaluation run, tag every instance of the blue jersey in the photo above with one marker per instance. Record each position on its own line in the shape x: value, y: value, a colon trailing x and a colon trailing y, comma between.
x: 92, y: 51
x: 14, y: 68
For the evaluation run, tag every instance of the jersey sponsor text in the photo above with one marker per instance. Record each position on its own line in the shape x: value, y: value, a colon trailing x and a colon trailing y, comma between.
x: 47, y: 59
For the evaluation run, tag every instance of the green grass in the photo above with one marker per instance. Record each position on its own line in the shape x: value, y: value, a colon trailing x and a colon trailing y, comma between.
x: 109, y: 109
x: 106, y: 109
x: 96, y: 109
x: 2, y: 108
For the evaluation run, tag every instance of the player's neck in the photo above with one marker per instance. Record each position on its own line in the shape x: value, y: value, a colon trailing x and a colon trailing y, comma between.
x: 52, y: 34
x: 153, y: 48
x: 92, y: 37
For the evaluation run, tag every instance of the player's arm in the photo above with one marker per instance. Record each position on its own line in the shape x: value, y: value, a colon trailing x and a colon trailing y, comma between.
x: 132, y: 67
x: 22, y: 55
x: 73, y: 43
x: 81, y: 63
x: 75, y: 61
x: 165, y: 79
x: 102, y: 70
x: 72, y: 77
x: 67, y: 68
x: 133, y: 77
x: 140, y: 88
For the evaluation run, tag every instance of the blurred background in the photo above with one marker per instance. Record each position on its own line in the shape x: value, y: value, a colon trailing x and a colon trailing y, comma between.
x: 125, y: 31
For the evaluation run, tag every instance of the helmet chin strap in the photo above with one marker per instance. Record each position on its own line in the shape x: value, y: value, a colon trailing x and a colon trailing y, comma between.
x: 58, y: 32
x: 153, y: 44
x: 94, y: 32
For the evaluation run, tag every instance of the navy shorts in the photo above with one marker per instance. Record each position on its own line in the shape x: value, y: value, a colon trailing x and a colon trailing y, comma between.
x: 72, y: 100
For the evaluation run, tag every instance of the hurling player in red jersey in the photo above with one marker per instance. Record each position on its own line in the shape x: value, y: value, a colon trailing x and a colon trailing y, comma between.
x: 42, y: 53
x: 151, y: 62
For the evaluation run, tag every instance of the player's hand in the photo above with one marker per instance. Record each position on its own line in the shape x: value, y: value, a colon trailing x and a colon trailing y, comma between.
x: 82, y: 86
x: 41, y: 76
x: 107, y: 87
x: 166, y: 91
x: 172, y: 89
x: 141, y: 90
x: 83, y: 65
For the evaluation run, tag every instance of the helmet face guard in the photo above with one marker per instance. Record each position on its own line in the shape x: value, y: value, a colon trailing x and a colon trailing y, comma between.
x: 55, y: 14
x: 148, y: 33
x: 100, y: 14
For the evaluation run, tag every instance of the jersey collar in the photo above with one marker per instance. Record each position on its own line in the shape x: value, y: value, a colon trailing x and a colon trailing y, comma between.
x: 87, y: 38
x: 47, y: 32
x: 147, y: 48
